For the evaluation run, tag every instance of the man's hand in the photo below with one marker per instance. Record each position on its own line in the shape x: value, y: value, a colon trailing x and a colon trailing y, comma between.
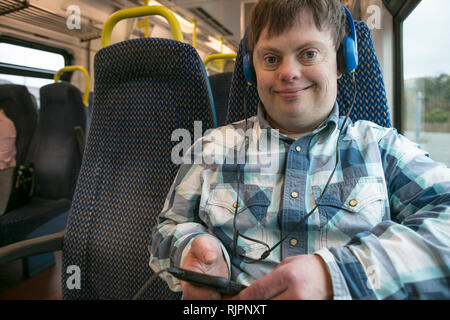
x: 303, y: 277
x: 204, y: 256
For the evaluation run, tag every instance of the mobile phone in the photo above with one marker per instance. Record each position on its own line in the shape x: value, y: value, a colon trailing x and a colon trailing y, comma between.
x: 218, y: 284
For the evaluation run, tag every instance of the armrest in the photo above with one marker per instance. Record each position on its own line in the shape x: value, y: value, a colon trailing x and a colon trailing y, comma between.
x: 31, y: 247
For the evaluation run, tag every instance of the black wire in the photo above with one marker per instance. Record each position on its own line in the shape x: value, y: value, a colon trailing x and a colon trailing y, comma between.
x: 147, y: 284
x: 238, y: 172
x: 266, y: 253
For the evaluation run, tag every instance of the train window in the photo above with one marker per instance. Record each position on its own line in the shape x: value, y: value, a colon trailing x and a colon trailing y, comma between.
x: 31, y: 67
x: 426, y: 96
x: 29, y: 57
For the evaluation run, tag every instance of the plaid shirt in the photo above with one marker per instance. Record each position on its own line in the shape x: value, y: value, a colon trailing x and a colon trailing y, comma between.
x: 382, y: 226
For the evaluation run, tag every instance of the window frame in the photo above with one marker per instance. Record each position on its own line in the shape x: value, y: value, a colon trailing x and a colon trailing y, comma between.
x: 19, y: 70
x: 399, y: 11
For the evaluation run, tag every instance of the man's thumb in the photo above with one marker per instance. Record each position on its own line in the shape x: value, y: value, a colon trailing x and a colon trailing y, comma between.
x: 204, y: 249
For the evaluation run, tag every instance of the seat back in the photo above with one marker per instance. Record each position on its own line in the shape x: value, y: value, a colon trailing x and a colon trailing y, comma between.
x: 220, y: 87
x: 54, y: 150
x: 144, y: 90
x: 18, y: 105
x: 371, y: 101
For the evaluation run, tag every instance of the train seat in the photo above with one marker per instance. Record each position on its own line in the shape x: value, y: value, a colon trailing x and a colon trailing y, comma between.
x: 18, y: 105
x: 370, y: 104
x: 145, y: 89
x: 55, y: 154
x: 220, y: 86
x: 55, y: 149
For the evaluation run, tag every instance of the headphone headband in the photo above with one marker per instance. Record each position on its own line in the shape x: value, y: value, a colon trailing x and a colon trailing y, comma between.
x: 351, y: 23
x: 350, y: 47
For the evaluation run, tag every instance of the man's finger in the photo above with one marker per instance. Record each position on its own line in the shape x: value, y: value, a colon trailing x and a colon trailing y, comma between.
x: 265, y: 288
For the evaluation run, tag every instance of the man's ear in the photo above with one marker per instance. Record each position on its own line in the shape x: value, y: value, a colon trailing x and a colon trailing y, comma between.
x: 339, y: 74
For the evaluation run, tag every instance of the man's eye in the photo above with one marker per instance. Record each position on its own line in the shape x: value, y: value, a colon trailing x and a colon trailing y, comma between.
x: 271, y: 59
x: 310, y: 54
x: 310, y: 57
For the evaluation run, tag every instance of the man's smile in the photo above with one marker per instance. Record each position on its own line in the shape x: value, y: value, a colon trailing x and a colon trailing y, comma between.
x: 292, y: 92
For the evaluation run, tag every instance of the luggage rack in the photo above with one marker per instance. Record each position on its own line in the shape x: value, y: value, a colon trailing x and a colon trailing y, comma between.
x: 23, y: 10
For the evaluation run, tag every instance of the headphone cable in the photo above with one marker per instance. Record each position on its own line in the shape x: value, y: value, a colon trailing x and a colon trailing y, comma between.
x: 266, y: 253
x: 147, y: 284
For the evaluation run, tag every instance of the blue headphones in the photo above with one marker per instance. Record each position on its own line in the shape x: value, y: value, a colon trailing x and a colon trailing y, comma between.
x: 347, y: 55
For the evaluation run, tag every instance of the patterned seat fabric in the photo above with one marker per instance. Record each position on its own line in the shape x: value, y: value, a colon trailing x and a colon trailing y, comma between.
x: 370, y: 103
x: 54, y: 148
x: 220, y: 87
x: 144, y: 90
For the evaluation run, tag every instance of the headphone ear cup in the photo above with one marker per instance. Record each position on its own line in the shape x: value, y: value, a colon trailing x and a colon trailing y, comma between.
x: 342, y: 67
x: 347, y: 56
x: 247, y: 65
x: 249, y: 71
x: 351, y: 54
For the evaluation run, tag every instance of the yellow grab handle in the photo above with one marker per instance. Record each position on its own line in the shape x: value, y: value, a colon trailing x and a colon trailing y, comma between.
x: 139, y: 12
x: 219, y: 56
x: 86, y: 76
x: 194, y: 34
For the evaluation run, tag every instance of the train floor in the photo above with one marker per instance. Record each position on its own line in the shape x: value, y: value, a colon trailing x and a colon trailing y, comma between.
x: 46, y: 285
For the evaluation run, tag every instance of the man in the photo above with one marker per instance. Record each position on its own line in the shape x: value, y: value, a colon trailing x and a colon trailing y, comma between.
x: 382, y: 226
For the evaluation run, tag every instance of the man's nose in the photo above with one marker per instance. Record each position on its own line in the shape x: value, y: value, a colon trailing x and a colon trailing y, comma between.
x: 290, y: 70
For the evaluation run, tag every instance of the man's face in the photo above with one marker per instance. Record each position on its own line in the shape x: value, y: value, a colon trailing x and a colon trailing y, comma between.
x: 297, y: 76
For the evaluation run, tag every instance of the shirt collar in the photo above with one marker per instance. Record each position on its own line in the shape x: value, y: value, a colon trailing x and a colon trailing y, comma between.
x: 328, y: 126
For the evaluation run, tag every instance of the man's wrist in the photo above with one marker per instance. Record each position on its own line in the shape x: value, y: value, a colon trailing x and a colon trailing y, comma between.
x: 326, y: 278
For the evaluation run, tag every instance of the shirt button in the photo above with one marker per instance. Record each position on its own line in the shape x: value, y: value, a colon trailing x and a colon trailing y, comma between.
x: 294, y: 194
x: 293, y: 242
x: 353, y: 203
x: 235, y: 204
x: 298, y: 149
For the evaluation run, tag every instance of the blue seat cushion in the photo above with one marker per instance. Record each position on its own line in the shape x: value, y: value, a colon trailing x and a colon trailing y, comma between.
x: 18, y: 224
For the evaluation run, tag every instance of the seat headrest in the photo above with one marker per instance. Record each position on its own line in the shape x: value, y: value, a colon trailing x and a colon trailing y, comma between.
x: 18, y: 105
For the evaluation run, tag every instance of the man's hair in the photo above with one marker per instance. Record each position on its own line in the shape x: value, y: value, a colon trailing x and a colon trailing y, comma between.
x: 280, y: 15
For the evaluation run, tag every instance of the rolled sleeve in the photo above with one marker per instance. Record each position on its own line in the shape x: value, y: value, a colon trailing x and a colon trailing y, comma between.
x: 340, y: 288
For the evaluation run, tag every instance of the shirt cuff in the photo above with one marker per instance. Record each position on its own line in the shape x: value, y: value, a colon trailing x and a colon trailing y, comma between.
x: 340, y: 288
x: 354, y: 273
